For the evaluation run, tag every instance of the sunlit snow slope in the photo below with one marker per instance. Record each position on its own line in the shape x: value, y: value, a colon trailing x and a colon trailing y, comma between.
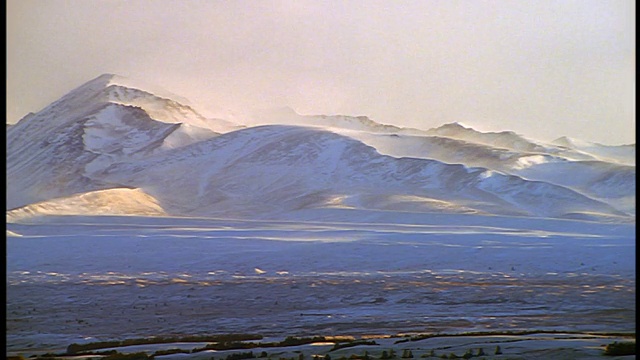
x: 609, y: 181
x: 102, y: 202
x: 53, y: 152
x: 276, y: 169
x: 603, y: 173
x: 112, y: 133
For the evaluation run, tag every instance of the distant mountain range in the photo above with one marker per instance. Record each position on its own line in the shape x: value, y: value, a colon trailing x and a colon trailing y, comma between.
x: 113, y: 146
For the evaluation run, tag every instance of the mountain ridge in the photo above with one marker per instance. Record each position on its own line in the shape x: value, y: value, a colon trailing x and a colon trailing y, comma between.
x: 108, y: 134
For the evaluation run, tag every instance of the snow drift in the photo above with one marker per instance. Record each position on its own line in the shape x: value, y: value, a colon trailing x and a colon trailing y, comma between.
x: 101, y: 202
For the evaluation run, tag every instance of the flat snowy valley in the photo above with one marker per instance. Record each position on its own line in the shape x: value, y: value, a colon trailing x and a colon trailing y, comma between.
x: 129, y: 215
x: 75, y: 279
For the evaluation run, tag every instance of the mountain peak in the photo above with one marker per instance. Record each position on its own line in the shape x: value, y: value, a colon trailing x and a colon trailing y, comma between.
x: 96, y: 84
x: 573, y: 143
x: 563, y: 141
x: 107, y: 80
x: 449, y: 128
x: 455, y: 124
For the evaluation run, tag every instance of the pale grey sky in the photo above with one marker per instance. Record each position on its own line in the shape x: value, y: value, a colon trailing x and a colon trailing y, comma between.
x: 541, y: 68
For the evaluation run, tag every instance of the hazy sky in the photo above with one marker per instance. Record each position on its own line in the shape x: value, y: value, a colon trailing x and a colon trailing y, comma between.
x: 541, y: 68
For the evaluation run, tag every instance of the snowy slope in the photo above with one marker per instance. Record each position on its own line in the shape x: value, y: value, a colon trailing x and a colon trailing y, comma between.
x: 606, y: 173
x: 288, y: 116
x: 161, y: 105
x: 445, y: 149
x: 623, y: 154
x: 133, y: 216
x: 507, y: 140
x: 50, y: 153
x: 114, y: 133
x: 270, y: 170
x: 611, y: 182
x: 101, y: 202
x: 73, y: 279
x: 49, y: 159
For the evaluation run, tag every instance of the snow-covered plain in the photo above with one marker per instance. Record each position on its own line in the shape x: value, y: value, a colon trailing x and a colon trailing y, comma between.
x: 129, y: 215
x: 72, y: 277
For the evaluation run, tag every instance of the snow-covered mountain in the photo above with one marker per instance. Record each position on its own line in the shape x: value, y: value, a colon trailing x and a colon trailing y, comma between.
x: 593, y: 178
x: 112, y: 133
x: 623, y: 154
x: 119, y: 201
x: 52, y: 153
x: 288, y: 116
x: 506, y: 140
x: 505, y: 152
x: 276, y: 169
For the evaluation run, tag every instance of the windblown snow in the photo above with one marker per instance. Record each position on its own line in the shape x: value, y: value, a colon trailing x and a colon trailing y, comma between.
x: 121, y: 193
x: 112, y: 132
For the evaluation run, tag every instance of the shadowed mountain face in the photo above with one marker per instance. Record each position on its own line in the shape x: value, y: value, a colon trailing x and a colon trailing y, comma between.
x: 112, y: 133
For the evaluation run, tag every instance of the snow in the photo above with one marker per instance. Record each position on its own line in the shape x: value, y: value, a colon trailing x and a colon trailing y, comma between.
x: 131, y: 137
x: 593, y: 178
x: 289, y: 116
x: 508, y: 140
x: 129, y: 214
x: 53, y: 152
x: 612, y: 183
x: 528, y: 161
x: 126, y: 82
x: 141, y: 276
x: 102, y: 202
x: 266, y: 170
x: 623, y: 154
x: 107, y: 133
x: 186, y: 134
